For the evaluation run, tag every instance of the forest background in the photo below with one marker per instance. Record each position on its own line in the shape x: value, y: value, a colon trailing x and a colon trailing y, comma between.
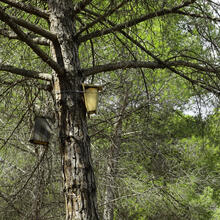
x: 155, y: 138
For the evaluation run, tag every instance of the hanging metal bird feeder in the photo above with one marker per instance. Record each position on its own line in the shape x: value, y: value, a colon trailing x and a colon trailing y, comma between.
x: 41, y: 131
x: 91, y: 93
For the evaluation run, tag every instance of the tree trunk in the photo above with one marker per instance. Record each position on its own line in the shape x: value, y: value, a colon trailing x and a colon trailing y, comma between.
x: 108, y: 212
x: 78, y: 176
x: 39, y: 182
x: 112, y: 164
x: 111, y: 172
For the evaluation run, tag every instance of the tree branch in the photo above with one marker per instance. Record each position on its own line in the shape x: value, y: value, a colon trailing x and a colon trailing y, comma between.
x: 10, y: 203
x: 11, y: 35
x: 25, y: 73
x: 133, y: 22
x: 24, y: 37
x: 101, y: 18
x: 80, y: 6
x: 41, y: 86
x: 34, y: 28
x: 156, y: 65
x: 27, y: 8
x: 143, y: 64
x: 159, y: 61
x: 172, y: 69
x: 41, y: 41
x: 197, y: 15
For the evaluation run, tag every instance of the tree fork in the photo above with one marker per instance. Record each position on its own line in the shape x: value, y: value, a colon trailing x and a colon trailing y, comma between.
x: 78, y: 176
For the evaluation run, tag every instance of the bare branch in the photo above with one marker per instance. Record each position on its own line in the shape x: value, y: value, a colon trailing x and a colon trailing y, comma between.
x: 41, y: 86
x: 133, y: 22
x: 26, y: 150
x: 143, y: 64
x: 198, y: 15
x: 164, y: 64
x: 80, y: 6
x: 11, y: 35
x: 34, y: 28
x: 33, y: 171
x: 24, y: 37
x: 101, y: 18
x: 19, y: 122
x: 27, y: 8
x: 26, y: 73
x: 10, y: 203
x: 156, y: 65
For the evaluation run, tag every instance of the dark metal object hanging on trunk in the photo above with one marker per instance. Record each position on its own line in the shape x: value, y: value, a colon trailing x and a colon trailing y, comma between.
x: 41, y: 131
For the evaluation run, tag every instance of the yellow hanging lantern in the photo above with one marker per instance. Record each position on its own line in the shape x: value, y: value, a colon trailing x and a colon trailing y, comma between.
x: 91, y: 93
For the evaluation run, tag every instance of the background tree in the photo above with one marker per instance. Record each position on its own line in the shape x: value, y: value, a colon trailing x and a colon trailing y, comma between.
x: 54, y: 46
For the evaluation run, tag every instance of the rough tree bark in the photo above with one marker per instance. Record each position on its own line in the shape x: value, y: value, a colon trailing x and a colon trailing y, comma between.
x: 78, y: 178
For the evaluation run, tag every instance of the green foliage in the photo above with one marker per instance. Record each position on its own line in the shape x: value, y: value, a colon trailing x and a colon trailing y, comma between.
x: 164, y: 164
